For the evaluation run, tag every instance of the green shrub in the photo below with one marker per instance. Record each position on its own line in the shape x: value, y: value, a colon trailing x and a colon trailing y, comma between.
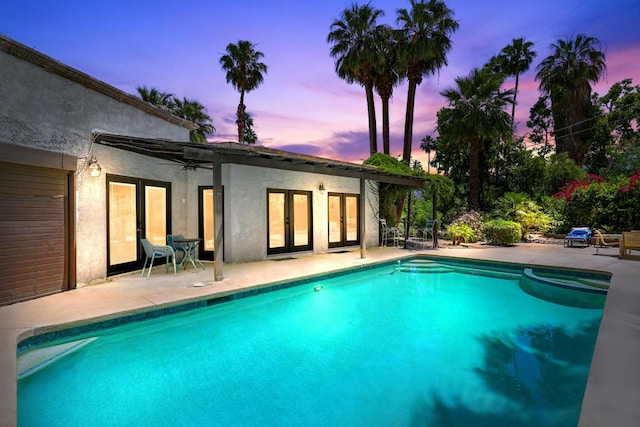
x: 474, y: 221
x: 463, y: 231
x: 501, y: 232
x: 518, y: 207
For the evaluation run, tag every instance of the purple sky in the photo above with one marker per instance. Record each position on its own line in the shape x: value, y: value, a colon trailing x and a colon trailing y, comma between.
x: 302, y: 106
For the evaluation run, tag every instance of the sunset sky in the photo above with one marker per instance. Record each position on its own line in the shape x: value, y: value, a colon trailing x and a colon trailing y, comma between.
x: 302, y: 106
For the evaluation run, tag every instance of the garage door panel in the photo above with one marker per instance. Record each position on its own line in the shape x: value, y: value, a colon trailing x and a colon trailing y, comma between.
x: 34, y: 260
x: 33, y: 223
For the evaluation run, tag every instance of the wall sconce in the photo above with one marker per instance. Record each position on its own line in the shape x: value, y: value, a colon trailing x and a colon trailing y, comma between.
x: 321, y: 188
x: 94, y: 167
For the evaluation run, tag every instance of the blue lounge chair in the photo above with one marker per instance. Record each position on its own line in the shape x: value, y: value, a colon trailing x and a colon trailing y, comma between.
x: 578, y: 236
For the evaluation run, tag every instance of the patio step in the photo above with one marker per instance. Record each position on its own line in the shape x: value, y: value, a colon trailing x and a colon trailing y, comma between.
x: 423, y: 266
x: 430, y: 266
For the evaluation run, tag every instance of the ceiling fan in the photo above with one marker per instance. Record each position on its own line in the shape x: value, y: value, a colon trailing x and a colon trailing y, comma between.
x: 187, y: 164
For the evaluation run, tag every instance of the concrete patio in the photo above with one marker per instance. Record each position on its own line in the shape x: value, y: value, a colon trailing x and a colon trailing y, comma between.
x: 612, y: 396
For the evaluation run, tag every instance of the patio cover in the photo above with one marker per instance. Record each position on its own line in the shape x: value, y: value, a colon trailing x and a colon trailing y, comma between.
x: 214, y: 155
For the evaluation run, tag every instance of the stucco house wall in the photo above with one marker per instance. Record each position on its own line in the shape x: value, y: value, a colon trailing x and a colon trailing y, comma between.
x: 246, y: 208
x: 43, y: 110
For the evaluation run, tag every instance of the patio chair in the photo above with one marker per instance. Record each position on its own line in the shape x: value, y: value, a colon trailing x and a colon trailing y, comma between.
x: 599, y: 242
x: 177, y: 247
x: 578, y: 236
x: 389, y: 232
x: 157, y: 251
x: 427, y: 231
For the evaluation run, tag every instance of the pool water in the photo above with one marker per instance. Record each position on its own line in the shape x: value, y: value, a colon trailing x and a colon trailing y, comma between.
x: 379, y: 347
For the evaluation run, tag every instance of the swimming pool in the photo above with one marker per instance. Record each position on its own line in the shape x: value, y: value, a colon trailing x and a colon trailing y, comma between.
x: 418, y: 342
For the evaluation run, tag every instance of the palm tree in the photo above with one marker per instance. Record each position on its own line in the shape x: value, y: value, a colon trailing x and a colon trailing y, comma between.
x: 428, y: 144
x: 196, y: 113
x: 250, y: 136
x: 244, y: 72
x: 475, y: 114
x: 427, y: 29
x: 353, y: 39
x: 566, y: 76
x: 514, y: 59
x: 155, y: 97
x: 387, y: 75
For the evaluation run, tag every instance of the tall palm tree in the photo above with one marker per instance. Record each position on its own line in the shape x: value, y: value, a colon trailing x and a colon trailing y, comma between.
x: 155, y: 97
x: 514, y: 59
x: 353, y: 48
x: 427, y: 29
x: 195, y: 112
x: 387, y: 75
x: 475, y: 114
x: 244, y: 72
x: 566, y: 76
x: 428, y: 144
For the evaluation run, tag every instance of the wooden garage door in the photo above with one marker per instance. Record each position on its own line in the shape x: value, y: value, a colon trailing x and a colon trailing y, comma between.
x: 33, y: 230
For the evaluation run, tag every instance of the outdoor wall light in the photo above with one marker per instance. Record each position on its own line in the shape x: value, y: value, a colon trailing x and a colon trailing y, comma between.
x: 321, y: 188
x: 94, y: 167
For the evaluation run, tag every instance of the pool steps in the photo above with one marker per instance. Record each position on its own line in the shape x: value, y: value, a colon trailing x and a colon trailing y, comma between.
x: 36, y: 359
x: 572, y: 291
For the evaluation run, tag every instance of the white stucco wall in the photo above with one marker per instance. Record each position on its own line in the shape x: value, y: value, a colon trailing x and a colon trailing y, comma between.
x: 246, y: 208
x: 91, y: 209
x: 43, y: 110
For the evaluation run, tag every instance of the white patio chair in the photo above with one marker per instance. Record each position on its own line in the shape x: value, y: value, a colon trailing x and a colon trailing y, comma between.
x: 157, y: 251
x: 427, y: 231
x: 389, y: 233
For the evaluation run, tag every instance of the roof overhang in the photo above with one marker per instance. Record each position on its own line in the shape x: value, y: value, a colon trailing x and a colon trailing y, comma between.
x: 192, y: 155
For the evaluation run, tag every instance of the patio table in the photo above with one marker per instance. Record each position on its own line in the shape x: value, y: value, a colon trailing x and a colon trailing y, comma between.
x: 190, y: 252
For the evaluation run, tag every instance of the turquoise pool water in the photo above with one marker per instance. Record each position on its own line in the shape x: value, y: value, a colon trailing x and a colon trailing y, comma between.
x: 391, y: 345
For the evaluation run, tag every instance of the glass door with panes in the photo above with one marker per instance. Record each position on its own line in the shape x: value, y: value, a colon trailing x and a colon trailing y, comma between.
x: 136, y: 209
x: 344, y: 220
x: 289, y: 221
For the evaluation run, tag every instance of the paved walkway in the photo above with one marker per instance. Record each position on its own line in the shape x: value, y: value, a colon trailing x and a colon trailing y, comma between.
x: 612, y: 396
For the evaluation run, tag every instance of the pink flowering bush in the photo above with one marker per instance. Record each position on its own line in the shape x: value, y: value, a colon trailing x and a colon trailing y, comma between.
x: 633, y: 184
x: 596, y: 203
x: 570, y: 187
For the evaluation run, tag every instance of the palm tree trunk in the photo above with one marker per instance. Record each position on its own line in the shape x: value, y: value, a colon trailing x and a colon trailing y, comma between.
x: 513, y: 107
x: 408, y: 122
x: 385, y: 124
x: 474, y: 175
x: 371, y: 110
x: 240, y: 114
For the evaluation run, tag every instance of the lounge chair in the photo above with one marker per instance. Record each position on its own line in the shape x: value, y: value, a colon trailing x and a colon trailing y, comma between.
x: 578, y: 236
x: 599, y: 242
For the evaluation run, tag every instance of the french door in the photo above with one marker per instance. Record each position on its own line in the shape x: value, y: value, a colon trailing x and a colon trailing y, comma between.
x: 136, y: 209
x: 289, y: 221
x: 344, y: 219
